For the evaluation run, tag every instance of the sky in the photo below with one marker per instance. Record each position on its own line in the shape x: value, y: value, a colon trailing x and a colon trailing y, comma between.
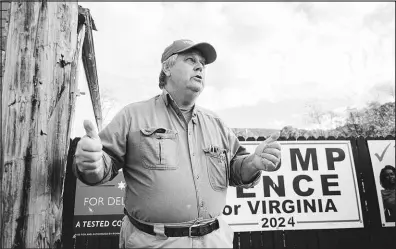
x: 274, y: 60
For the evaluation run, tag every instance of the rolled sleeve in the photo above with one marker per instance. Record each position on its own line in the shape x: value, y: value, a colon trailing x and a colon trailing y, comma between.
x: 108, y: 174
x: 236, y: 174
x: 238, y: 153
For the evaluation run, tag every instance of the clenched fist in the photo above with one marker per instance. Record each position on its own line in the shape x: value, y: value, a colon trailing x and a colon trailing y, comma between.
x: 88, y: 156
x: 268, y: 154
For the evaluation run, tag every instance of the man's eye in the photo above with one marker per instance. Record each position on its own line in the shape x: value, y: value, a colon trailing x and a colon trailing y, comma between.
x: 190, y: 59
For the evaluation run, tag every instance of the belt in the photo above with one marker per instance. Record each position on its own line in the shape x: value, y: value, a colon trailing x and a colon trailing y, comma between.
x: 192, y: 231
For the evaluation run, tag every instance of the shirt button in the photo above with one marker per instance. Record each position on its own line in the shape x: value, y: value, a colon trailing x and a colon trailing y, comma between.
x: 202, y: 204
x: 193, y: 154
x: 197, y: 176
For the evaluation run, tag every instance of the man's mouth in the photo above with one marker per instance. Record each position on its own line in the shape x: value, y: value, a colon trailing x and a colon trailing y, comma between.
x: 198, y: 78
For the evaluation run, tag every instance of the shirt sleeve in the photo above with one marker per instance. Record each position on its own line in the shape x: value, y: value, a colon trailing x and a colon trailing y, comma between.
x: 238, y: 153
x: 114, y: 138
x: 236, y: 165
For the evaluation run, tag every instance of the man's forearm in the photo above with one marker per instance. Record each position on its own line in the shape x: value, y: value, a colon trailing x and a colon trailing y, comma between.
x: 248, y: 171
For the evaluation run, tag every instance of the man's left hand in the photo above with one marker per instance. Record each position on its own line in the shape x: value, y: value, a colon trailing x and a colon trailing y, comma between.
x: 268, y: 154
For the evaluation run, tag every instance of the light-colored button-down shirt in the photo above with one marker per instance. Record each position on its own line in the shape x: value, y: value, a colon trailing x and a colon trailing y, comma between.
x: 175, y: 171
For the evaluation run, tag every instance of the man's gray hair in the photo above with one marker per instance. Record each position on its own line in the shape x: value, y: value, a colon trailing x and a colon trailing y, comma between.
x: 168, y: 63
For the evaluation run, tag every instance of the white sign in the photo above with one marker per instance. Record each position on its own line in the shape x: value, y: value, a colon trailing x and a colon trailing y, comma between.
x: 315, y: 187
x: 382, y: 153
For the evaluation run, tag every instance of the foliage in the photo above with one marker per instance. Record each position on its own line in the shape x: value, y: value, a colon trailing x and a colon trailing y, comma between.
x: 253, y: 132
x: 375, y: 120
x: 108, y: 104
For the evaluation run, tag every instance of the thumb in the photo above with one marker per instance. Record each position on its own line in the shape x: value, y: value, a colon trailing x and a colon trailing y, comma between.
x: 274, y: 136
x: 90, y: 130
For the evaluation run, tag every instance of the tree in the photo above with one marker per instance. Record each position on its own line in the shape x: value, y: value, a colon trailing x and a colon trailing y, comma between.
x: 108, y: 105
x: 290, y: 131
x: 316, y: 116
x: 38, y: 94
x: 315, y: 113
x: 374, y: 120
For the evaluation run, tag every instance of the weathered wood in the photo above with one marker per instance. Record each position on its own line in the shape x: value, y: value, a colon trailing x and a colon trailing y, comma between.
x: 5, y: 9
x: 70, y: 179
x: 75, y: 72
x: 4, y: 30
x: 1, y: 149
x: 89, y: 62
x: 37, y: 105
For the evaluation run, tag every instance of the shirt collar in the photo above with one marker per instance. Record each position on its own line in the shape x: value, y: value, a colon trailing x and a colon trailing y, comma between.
x: 167, y: 98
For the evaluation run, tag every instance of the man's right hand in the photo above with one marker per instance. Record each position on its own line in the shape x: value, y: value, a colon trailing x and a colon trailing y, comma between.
x: 88, y: 156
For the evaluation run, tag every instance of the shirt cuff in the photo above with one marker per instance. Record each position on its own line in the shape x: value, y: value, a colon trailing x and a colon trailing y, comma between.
x: 253, y: 182
x: 106, y: 174
x: 237, y: 176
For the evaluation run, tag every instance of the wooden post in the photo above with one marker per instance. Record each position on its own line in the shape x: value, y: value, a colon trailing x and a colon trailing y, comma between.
x: 38, y: 95
x: 4, y: 8
x: 89, y: 62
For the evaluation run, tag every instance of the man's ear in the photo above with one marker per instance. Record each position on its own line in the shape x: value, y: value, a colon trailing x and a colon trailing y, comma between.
x: 166, y: 70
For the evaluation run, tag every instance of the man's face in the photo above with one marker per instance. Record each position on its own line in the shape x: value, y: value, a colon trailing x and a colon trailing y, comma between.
x: 390, y: 176
x: 187, y: 76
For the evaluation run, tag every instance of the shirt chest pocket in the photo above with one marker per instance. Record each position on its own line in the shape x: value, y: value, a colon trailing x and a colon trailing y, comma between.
x: 217, y: 166
x: 159, y: 148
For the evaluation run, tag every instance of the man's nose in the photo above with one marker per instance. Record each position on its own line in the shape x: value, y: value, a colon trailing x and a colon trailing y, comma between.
x: 198, y: 67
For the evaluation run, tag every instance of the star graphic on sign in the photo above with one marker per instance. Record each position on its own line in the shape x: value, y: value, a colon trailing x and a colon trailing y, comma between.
x: 121, y: 185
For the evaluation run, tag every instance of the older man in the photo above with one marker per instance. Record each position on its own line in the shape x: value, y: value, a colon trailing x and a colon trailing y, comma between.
x: 178, y: 159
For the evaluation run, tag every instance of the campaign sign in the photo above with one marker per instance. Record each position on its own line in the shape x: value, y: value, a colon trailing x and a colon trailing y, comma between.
x: 382, y: 153
x: 98, y: 210
x: 85, y: 225
x: 315, y: 187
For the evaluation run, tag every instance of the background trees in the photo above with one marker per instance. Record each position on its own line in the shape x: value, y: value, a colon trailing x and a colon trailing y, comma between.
x: 374, y: 120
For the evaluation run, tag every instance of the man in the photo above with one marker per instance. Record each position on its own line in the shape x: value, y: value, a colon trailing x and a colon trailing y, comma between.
x: 177, y: 158
x: 388, y: 182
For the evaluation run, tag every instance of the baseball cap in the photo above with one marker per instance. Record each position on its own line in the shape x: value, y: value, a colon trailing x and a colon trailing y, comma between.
x: 182, y: 45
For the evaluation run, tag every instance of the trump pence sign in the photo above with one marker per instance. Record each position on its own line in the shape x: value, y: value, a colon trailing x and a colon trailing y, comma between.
x: 315, y: 187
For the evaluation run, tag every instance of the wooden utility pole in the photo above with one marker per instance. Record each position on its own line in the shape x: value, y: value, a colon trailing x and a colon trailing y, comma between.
x: 38, y: 96
x: 4, y: 10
